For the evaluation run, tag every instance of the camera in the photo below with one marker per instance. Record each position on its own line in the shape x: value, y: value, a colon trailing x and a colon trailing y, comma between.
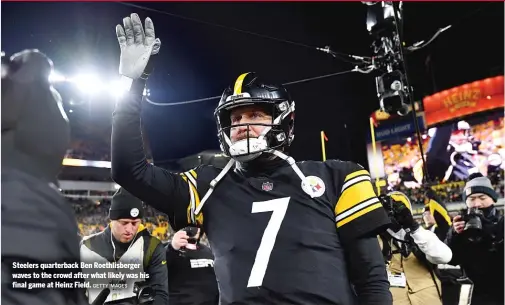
x: 191, y: 232
x: 145, y: 294
x: 473, y: 223
x: 392, y: 92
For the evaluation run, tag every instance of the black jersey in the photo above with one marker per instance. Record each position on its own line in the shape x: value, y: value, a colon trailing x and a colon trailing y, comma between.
x: 191, y: 277
x: 272, y: 242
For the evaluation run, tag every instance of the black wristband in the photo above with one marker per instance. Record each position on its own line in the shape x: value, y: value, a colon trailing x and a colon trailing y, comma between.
x: 149, y: 68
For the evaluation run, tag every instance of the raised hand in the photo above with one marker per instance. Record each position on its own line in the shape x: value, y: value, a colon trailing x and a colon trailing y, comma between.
x: 136, y: 45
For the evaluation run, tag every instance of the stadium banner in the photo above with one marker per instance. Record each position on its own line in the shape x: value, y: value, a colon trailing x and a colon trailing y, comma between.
x: 452, y: 152
x: 399, y: 128
x: 478, y: 96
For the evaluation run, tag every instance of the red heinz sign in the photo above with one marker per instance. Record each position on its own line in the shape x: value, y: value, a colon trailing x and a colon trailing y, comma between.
x: 467, y: 99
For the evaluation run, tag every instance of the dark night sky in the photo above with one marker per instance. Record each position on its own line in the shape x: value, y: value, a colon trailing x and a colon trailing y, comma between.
x: 198, y: 61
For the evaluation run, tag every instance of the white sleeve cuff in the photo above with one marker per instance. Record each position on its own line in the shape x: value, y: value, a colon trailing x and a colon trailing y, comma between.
x: 437, y: 252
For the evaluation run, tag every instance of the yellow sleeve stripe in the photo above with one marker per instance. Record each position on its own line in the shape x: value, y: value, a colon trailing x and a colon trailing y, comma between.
x: 358, y: 207
x: 355, y: 181
x: 359, y: 214
x: 397, y: 196
x: 356, y: 174
x: 435, y: 206
x: 237, y: 89
x: 354, y: 191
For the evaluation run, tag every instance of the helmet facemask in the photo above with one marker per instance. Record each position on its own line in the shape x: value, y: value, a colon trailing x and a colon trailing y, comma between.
x: 276, y: 135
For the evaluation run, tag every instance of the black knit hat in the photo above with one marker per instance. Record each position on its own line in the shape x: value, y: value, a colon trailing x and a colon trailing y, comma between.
x: 125, y: 206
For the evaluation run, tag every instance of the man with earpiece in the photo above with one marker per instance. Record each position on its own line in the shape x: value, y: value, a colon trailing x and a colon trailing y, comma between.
x: 125, y: 257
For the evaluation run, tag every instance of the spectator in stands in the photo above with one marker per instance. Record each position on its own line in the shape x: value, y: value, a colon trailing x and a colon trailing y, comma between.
x: 480, y: 252
x: 126, y: 241
x: 37, y: 224
x: 191, y: 277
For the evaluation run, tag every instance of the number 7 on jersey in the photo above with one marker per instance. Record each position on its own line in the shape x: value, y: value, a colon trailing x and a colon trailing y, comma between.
x: 278, y: 207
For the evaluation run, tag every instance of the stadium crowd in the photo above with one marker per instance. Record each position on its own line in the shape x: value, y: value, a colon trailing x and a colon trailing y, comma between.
x: 92, y: 217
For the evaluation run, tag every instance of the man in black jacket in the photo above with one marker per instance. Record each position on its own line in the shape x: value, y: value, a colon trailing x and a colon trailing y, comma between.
x: 479, y: 249
x: 190, y: 264
x: 38, y: 224
x: 127, y: 253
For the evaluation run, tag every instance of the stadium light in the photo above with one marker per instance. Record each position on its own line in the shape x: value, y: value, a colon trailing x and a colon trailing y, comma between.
x: 116, y: 90
x: 87, y: 83
x: 92, y: 84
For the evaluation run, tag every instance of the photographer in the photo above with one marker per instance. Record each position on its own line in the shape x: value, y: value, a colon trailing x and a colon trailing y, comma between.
x: 126, y: 248
x: 409, y: 250
x: 190, y: 264
x: 476, y: 239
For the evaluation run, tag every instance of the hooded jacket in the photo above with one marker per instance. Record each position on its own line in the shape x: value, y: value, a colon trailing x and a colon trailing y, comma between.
x: 38, y: 225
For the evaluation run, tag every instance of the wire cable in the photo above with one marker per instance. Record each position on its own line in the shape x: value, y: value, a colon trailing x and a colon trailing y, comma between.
x: 396, y: 12
x: 421, y: 44
x: 343, y: 56
x: 356, y: 69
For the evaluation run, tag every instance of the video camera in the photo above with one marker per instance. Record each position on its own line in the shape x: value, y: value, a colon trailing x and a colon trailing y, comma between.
x: 382, y: 24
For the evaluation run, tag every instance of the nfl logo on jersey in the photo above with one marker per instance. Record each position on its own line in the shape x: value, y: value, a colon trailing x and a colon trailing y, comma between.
x: 267, y: 186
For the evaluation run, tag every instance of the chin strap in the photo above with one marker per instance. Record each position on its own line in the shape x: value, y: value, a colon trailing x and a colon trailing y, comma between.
x: 213, y: 184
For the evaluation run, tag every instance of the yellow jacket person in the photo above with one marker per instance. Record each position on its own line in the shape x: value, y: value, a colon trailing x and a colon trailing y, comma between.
x: 409, y: 251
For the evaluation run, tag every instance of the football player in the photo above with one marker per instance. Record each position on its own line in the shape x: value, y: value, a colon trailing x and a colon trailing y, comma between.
x: 282, y: 232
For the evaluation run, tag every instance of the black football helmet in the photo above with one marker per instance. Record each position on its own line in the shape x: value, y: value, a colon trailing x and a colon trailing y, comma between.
x: 247, y: 90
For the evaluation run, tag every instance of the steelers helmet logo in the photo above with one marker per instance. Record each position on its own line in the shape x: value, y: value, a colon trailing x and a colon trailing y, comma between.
x: 134, y: 212
x: 314, y: 186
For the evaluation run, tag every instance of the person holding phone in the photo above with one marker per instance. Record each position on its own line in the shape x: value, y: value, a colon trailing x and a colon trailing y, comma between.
x: 191, y: 277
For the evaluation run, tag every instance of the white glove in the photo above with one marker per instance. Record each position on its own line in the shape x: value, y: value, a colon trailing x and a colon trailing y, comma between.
x: 136, y: 46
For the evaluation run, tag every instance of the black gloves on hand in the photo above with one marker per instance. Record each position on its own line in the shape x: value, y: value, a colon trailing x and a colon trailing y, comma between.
x: 405, y: 218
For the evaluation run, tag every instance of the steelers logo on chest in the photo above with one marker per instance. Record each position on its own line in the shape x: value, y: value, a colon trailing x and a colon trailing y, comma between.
x: 313, y: 186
